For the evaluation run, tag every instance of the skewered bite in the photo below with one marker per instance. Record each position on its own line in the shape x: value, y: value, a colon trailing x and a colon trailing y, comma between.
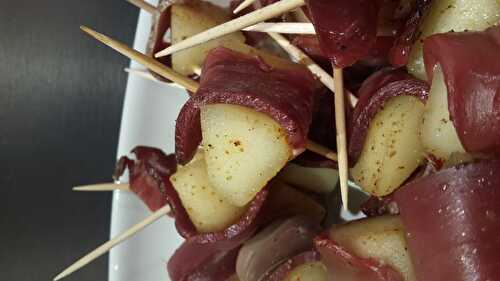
x: 208, y: 211
x: 251, y: 119
x: 438, y: 134
x: 244, y: 149
x: 392, y: 149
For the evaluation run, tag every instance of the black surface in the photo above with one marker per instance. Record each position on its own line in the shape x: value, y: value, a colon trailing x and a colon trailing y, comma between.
x: 61, y: 96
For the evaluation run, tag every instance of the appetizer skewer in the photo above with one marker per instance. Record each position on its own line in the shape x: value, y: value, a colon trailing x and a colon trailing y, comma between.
x: 341, y: 141
x: 168, y: 73
x: 399, y: 125
x: 103, y: 187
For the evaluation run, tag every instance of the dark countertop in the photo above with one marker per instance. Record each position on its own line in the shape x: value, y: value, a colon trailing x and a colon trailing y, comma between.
x: 61, y: 96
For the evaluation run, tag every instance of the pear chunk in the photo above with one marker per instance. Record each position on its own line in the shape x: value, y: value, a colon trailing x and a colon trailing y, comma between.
x: 392, y: 149
x: 207, y: 210
x: 193, y: 17
x: 438, y: 134
x: 244, y: 149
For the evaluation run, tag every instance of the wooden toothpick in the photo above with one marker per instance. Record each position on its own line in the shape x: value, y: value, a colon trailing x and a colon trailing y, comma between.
x: 144, y: 73
x: 104, y: 248
x: 143, y: 5
x: 103, y: 187
x: 283, y: 27
x: 243, y: 5
x: 321, y: 150
x: 301, y: 57
x: 236, y: 24
x: 341, y: 135
x: 141, y: 58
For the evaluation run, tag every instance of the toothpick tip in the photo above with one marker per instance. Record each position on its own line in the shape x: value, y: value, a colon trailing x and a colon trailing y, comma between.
x: 238, y: 9
x: 89, y: 31
x: 345, y: 200
x: 59, y: 276
x: 243, y: 5
x: 102, y: 187
x: 97, y: 35
x: 84, y: 28
x: 162, y: 53
x: 341, y: 134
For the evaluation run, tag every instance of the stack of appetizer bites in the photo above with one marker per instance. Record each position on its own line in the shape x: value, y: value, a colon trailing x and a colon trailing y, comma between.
x: 249, y: 185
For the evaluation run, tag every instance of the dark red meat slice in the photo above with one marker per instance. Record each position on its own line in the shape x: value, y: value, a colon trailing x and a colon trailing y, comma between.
x: 220, y: 267
x: 230, y: 77
x: 400, y: 52
x: 470, y: 62
x: 347, y: 29
x: 392, y: 15
x: 142, y: 183
x: 160, y: 25
x: 309, y: 44
x: 453, y: 222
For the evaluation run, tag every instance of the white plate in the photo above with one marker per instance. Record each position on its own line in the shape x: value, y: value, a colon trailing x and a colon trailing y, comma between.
x: 149, y: 114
